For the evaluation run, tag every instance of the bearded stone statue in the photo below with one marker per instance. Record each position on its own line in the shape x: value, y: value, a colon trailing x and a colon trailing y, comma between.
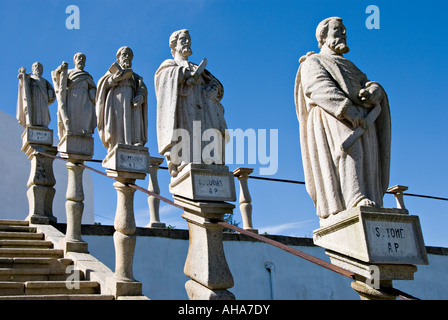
x: 345, y: 129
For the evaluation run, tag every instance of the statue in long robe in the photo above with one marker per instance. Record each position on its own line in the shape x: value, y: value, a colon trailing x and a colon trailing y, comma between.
x: 121, y: 104
x: 188, y: 95
x: 345, y: 129
x: 35, y: 95
x: 76, y: 112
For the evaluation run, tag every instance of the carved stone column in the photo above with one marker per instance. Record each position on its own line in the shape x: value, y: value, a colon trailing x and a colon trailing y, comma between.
x: 398, y: 193
x: 245, y: 199
x: 206, y: 263
x: 76, y: 149
x: 153, y: 186
x: 125, y: 164
x: 41, y: 181
x: 202, y: 191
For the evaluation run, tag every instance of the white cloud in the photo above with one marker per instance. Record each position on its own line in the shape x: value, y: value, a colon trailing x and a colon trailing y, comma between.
x: 281, y: 228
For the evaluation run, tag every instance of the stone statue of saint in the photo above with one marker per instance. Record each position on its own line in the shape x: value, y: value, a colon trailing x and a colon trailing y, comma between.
x: 121, y: 104
x: 35, y: 95
x: 75, y: 91
x: 188, y: 95
x: 345, y: 129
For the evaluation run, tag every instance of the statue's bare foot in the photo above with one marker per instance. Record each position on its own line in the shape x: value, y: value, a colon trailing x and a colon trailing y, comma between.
x: 366, y: 203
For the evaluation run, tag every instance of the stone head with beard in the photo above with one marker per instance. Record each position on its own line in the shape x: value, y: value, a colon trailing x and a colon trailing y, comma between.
x: 125, y: 56
x: 331, y: 33
x: 180, y: 44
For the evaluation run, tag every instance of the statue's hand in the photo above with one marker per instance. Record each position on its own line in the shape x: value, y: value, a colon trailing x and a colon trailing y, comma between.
x: 354, y: 115
x: 22, y: 72
x: 371, y: 95
x: 190, y: 81
x: 138, y: 100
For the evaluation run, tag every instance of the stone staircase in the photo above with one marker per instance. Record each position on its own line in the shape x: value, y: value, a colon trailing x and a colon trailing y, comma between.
x: 32, y: 269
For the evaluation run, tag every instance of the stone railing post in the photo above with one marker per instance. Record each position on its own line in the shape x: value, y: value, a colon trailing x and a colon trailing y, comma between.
x: 245, y: 199
x: 76, y: 149
x: 41, y: 181
x: 398, y: 194
x: 153, y: 186
x: 125, y: 163
x: 202, y: 191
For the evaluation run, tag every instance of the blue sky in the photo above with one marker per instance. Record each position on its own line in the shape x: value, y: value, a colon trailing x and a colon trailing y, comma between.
x: 253, y: 48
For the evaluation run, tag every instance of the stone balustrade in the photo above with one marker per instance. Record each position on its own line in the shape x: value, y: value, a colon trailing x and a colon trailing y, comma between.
x: 153, y: 186
x: 245, y: 199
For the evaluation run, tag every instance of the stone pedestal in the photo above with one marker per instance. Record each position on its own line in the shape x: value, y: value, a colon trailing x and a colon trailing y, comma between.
x: 76, y: 149
x: 153, y: 202
x: 41, y: 181
x: 206, y: 263
x: 379, y: 245
x: 203, y: 182
x: 137, y: 159
x: 128, y: 158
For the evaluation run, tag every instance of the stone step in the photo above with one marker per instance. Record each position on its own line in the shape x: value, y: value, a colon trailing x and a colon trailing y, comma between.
x: 38, y: 244
x: 8, y: 288
x: 5, y: 235
x: 59, y: 297
x: 14, y: 222
x: 11, y: 228
x: 61, y: 287
x: 38, y: 274
x: 27, y: 252
x: 34, y: 263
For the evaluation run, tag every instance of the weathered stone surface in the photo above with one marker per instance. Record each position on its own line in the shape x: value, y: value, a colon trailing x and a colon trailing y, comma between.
x: 78, y: 147
x: 121, y: 104
x: 154, y: 202
x: 34, y: 97
x: 245, y: 199
x: 75, y: 93
x: 36, y: 135
x: 119, y: 288
x: 196, y: 291
x: 374, y: 235
x: 204, y: 182
x: 128, y: 159
x: 373, y: 272
x: 188, y: 106
x: 206, y: 263
x: 345, y: 127
x: 40, y: 184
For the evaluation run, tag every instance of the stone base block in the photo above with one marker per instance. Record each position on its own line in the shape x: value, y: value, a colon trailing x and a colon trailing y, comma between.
x: 374, y: 235
x: 380, y: 272
x: 123, y: 288
x: 368, y: 293
x: 72, y: 146
x: 197, y: 291
x: 156, y: 225
x: 74, y: 246
x: 128, y: 158
x: 252, y: 230
x: 204, y: 182
x: 36, y: 219
x: 37, y: 136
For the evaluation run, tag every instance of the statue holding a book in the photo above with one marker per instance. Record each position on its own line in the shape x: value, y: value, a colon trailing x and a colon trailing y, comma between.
x: 121, y: 104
